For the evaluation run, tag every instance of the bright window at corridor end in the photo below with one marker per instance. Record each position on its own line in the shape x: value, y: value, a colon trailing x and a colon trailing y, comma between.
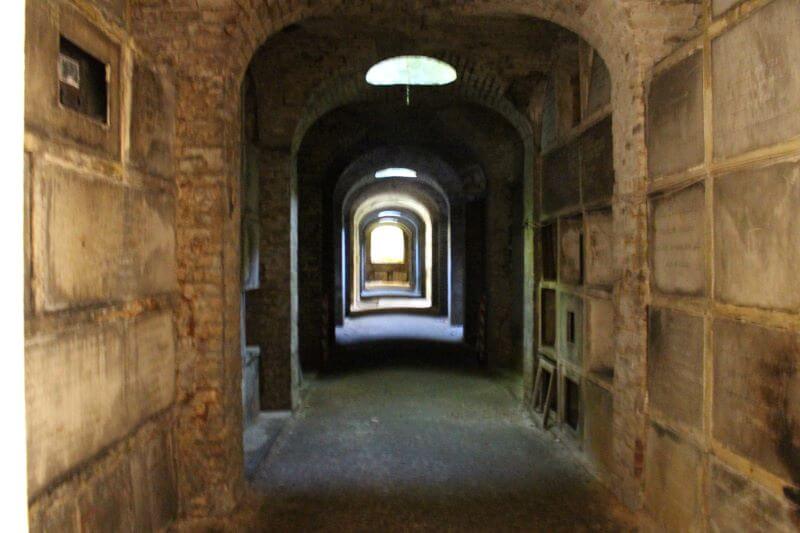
x: 411, y: 70
x: 387, y: 245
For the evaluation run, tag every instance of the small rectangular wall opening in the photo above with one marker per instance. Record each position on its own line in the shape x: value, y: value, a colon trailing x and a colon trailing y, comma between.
x: 549, y: 252
x: 82, y: 81
x: 572, y: 403
x: 548, y: 335
x: 571, y: 327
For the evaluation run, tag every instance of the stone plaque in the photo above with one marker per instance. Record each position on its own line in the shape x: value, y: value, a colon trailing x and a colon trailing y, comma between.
x: 597, y: 163
x: 677, y: 238
x: 675, y: 366
x: 757, y: 237
x: 756, y: 82
x: 675, y: 139
x: 600, y: 269
x: 598, y: 431
x: 599, y: 85
x: 735, y: 500
x: 560, y: 185
x: 152, y: 120
x: 756, y: 406
x: 151, y: 241
x: 600, y: 337
x: 150, y: 364
x: 570, y: 327
x: 673, y: 494
x: 570, y: 236
x: 78, y: 238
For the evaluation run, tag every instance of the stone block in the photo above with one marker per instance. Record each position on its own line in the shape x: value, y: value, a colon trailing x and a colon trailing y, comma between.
x: 678, y: 240
x: 78, y: 238
x: 106, y: 504
x: 756, y: 82
x: 600, y: 267
x: 672, y: 484
x: 600, y: 350
x: 757, y: 239
x: 152, y: 120
x: 599, y: 86
x: 151, y: 242
x: 155, y: 498
x: 570, y: 327
x: 570, y: 249
x: 75, y: 399
x: 721, y: 6
x: 675, y: 366
x: 45, y: 21
x: 598, y: 431
x: 560, y: 180
x: 756, y: 406
x: 86, y: 389
x: 597, y: 163
x: 675, y: 139
x: 736, y: 503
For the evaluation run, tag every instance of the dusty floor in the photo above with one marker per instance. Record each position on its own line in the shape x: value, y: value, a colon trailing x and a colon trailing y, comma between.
x: 415, y: 437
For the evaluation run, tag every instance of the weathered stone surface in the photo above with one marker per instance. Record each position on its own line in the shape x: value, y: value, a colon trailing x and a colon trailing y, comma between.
x: 672, y: 485
x: 107, y: 504
x: 155, y: 498
x: 570, y: 304
x: 675, y: 118
x: 599, y: 86
x: 678, y: 240
x: 104, y: 379
x: 597, y: 163
x: 720, y: 6
x: 600, y: 338
x: 756, y: 237
x: 600, y: 267
x: 152, y: 119
x: 738, y: 504
x: 756, y: 85
x: 598, y: 431
x: 560, y: 179
x: 151, y: 242
x: 570, y: 251
x: 78, y: 239
x: 675, y: 366
x: 757, y: 395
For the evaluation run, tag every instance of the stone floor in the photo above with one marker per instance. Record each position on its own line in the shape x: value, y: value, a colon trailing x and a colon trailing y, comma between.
x: 415, y: 437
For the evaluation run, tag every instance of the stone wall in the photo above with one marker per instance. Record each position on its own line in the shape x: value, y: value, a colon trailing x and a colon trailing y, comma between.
x: 101, y: 279
x: 723, y: 376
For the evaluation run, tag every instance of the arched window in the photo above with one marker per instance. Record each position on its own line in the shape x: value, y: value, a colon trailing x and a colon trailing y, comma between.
x: 396, y: 173
x: 411, y: 70
x: 387, y: 245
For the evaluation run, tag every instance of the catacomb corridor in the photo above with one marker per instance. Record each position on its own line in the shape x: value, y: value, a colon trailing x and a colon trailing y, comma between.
x: 412, y: 265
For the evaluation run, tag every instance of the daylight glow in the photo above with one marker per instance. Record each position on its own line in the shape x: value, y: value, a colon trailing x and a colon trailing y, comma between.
x: 387, y: 245
x: 396, y: 173
x: 411, y: 70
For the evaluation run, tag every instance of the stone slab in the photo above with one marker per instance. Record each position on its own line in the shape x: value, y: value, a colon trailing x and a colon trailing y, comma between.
x: 757, y: 238
x: 560, y: 180
x: 152, y: 120
x: 600, y: 268
x: 737, y: 504
x: 77, y: 259
x: 672, y: 484
x: 570, y: 233
x: 721, y: 6
x: 675, y: 140
x: 600, y: 350
x: 151, y: 242
x: 597, y: 163
x: 678, y: 242
x: 675, y: 366
x: 756, y: 405
x: 88, y: 388
x: 571, y: 351
x: 155, y: 494
x: 756, y: 82
x: 107, y: 503
x: 598, y: 431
